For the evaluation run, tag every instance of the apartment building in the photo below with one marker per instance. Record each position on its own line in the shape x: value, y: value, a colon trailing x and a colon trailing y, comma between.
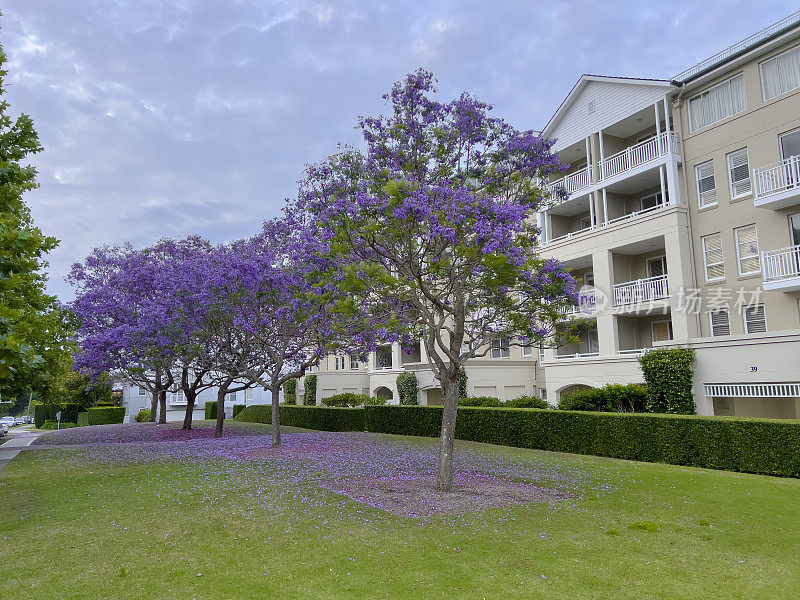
x: 682, y: 221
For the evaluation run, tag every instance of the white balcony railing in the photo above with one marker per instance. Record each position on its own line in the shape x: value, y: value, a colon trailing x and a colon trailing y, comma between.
x: 781, y: 264
x: 572, y: 234
x: 777, y: 177
x: 641, y: 290
x: 639, y: 154
x: 577, y: 355
x: 572, y: 182
x: 587, y: 304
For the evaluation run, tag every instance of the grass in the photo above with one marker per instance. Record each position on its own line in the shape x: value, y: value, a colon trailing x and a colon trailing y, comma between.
x: 80, y: 523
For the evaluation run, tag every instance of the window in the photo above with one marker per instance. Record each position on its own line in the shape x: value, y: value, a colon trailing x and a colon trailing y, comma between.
x: 541, y: 355
x: 790, y: 144
x: 588, y: 278
x: 661, y: 331
x: 712, y: 257
x: 755, y: 321
x: 248, y: 394
x: 656, y: 267
x: 592, y: 341
x: 717, y: 103
x: 739, y: 173
x: 651, y: 201
x: 720, y: 322
x: 706, y: 186
x: 527, y: 350
x: 142, y: 391
x: 780, y: 74
x: 543, y: 393
x: 585, y: 223
x: 500, y: 348
x: 355, y: 363
x: 747, y: 250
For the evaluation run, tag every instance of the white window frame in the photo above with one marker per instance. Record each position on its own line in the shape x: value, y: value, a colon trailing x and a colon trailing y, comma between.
x: 697, y: 168
x: 728, y: 157
x: 739, y: 257
x: 663, y: 259
x: 727, y: 82
x: 502, y: 346
x: 653, y: 331
x: 744, y: 318
x: 659, y: 201
x: 706, y: 264
x: 727, y: 314
x: 142, y: 391
x: 527, y: 350
x: 761, y: 74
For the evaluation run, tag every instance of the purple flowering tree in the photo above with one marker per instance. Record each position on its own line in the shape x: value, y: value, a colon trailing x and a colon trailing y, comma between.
x: 273, y: 319
x: 435, y: 221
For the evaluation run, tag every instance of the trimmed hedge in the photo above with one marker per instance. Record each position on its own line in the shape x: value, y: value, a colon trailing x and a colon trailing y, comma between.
x: 211, y: 411
x: 345, y: 399
x: 763, y: 446
x: 53, y: 425
x: 83, y: 418
x: 105, y: 415
x: 323, y: 418
x: 47, y: 412
x: 143, y: 416
x: 237, y: 408
x: 612, y: 397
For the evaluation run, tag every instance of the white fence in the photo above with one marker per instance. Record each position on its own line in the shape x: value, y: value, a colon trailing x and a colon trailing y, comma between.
x: 777, y: 177
x: 639, y: 154
x: 781, y: 264
x: 641, y: 290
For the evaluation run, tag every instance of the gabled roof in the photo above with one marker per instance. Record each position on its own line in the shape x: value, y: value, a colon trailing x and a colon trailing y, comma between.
x: 584, y: 80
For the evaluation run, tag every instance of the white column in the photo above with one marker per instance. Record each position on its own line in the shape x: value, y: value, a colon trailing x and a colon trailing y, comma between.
x: 605, y: 207
x: 602, y: 155
x: 546, y: 228
x: 397, y: 356
x: 591, y: 208
x: 663, y: 191
x: 666, y: 118
x: 658, y: 132
x: 602, y: 265
x: 589, y: 160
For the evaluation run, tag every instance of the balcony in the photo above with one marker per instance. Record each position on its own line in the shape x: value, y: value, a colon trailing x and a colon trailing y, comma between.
x: 781, y: 269
x: 587, y: 304
x: 641, y: 291
x: 576, y: 355
x: 638, y: 155
x: 778, y: 185
x: 571, y: 183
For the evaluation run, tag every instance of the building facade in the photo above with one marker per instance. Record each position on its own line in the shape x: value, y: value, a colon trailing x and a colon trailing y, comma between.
x: 682, y: 222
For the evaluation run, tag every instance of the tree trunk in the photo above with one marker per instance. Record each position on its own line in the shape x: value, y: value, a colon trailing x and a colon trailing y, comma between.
x: 276, y: 416
x: 221, y: 393
x: 154, y: 406
x: 190, y: 396
x: 444, y: 477
x: 162, y: 413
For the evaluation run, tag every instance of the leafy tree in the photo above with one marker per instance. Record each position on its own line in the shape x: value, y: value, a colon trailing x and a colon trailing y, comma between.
x: 434, y: 228
x: 34, y: 331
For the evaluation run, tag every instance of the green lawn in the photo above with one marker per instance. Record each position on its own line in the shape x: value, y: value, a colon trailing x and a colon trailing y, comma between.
x: 82, y: 524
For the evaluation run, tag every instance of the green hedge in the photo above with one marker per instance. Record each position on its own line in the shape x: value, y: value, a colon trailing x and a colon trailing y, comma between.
x: 83, y: 418
x: 345, y: 399
x: 52, y: 425
x: 764, y: 446
x: 323, y: 418
x: 211, y: 411
x: 143, y: 416
x: 237, y: 408
x: 105, y: 415
x: 47, y: 412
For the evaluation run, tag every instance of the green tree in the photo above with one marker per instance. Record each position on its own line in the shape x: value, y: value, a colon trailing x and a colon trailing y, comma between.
x: 669, y: 373
x: 33, y: 329
x: 407, y: 387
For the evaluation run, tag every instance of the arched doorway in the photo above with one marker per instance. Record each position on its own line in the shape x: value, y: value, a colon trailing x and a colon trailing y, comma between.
x: 573, y: 388
x: 385, y: 393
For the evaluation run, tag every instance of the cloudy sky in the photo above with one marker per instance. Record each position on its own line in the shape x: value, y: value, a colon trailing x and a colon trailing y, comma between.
x: 164, y: 118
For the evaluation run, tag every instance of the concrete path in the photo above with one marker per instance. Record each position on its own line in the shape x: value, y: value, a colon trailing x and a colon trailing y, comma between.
x: 23, y: 437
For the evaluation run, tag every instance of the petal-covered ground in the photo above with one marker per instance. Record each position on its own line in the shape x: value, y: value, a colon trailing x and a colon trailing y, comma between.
x: 392, y: 474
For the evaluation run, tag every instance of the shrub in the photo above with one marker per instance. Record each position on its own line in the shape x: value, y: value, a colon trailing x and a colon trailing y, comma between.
x: 374, y: 401
x: 237, y: 408
x: 211, y: 410
x: 323, y: 418
x: 612, y: 397
x: 83, y: 418
x: 310, y: 390
x: 527, y: 402
x: 54, y: 425
x: 346, y: 399
x: 143, y: 416
x: 669, y: 373
x: 407, y: 387
x: 47, y: 412
x: 290, y: 391
x: 104, y: 415
x: 480, y: 401
x: 5, y: 407
x: 462, y: 384
x: 763, y: 446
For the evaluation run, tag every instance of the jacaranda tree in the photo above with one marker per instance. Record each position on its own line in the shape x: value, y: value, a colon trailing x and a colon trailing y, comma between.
x: 434, y: 227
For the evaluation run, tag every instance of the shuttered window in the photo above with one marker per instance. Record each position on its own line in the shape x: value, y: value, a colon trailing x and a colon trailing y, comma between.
x: 717, y: 103
x: 712, y: 257
x: 747, y: 250
x: 706, y: 186
x: 755, y: 321
x: 739, y: 173
x: 720, y: 322
x: 781, y: 74
x: 662, y: 331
